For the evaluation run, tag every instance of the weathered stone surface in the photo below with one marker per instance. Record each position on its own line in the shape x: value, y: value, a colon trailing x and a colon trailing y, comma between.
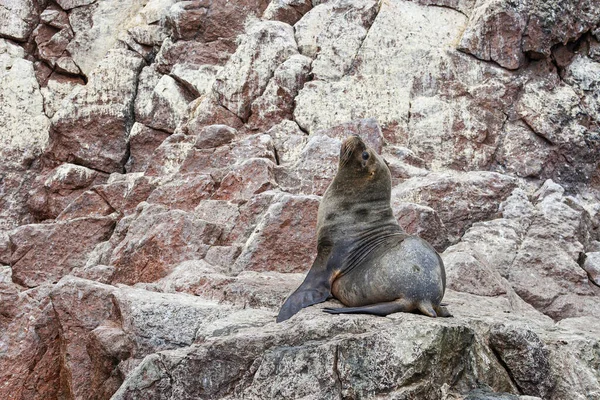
x: 183, y: 192
x: 288, y: 141
x: 318, y: 34
x: 315, y: 166
x: 368, y: 129
x: 214, y: 53
x: 434, y: 117
x: 29, y: 343
x: 424, y: 222
x: 206, y: 111
x: 214, y: 136
x: 19, y: 18
x: 185, y: 19
x: 517, y: 248
x: 247, y: 179
x: 254, y: 152
x: 25, y: 126
x: 46, y: 252
x: 506, y: 32
x: 459, y: 199
x: 264, y: 46
x: 166, y: 106
x: 495, y: 32
x: 591, y: 265
x: 525, y: 357
x: 523, y: 152
x: 93, y: 125
x: 197, y: 79
x: 170, y: 155
x: 285, y: 239
x: 160, y: 321
x: 326, y: 353
x: 159, y: 239
x: 96, y: 26
x: 122, y: 193
x: 57, y: 88
x: 83, y: 371
x: 142, y: 143
x: 276, y: 102
x: 59, y: 187
x: 208, y: 161
x: 288, y: 11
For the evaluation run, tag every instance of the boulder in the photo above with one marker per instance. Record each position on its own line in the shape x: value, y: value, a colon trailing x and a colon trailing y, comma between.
x: 263, y: 47
x: 285, y: 239
x: 460, y: 199
x: 157, y: 240
x: 46, y: 252
x: 92, y: 127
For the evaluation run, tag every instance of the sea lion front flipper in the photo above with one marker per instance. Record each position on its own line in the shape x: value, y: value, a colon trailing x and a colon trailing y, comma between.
x: 381, y: 309
x: 315, y: 289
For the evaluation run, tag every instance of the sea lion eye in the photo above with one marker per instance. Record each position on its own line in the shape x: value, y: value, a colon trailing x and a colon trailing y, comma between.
x: 365, y: 155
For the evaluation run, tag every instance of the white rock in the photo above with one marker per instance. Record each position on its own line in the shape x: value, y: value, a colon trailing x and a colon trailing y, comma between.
x: 199, y: 79
x: 97, y: 27
x: 166, y: 106
x: 24, y: 124
x: 333, y: 32
x: 264, y: 46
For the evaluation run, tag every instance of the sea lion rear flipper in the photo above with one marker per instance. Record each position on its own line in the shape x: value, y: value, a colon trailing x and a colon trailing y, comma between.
x: 381, y: 309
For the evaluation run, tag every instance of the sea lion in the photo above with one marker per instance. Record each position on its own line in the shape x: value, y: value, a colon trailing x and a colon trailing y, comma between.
x: 364, y: 258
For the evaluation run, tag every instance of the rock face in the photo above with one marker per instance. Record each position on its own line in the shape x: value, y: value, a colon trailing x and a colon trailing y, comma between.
x: 162, y: 164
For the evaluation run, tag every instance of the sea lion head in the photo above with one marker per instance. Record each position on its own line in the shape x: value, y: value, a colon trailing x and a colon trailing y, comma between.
x: 361, y: 173
x: 358, y: 159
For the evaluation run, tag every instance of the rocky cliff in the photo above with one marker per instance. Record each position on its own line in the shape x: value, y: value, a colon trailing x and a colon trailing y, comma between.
x: 163, y: 161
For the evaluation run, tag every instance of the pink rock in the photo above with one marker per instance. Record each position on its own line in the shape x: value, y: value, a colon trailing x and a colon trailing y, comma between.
x: 46, y: 252
x: 315, y: 167
x: 30, y: 362
x: 227, y: 19
x: 248, y: 216
x: 218, y: 161
x: 142, y: 143
x: 523, y: 152
x: 92, y: 129
x: 122, y: 193
x: 170, y: 155
x: 55, y: 190
x: 81, y: 307
x: 157, y: 240
x: 277, y: 101
x: 262, y: 48
x: 495, y: 32
x: 214, y: 136
x: 87, y: 204
x: 288, y: 11
x: 251, y: 177
x: 285, y: 239
x: 183, y: 192
x: 460, y: 199
x: 214, y: 53
x: 424, y: 222
x: 466, y: 274
x: 185, y: 19
x: 207, y: 111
